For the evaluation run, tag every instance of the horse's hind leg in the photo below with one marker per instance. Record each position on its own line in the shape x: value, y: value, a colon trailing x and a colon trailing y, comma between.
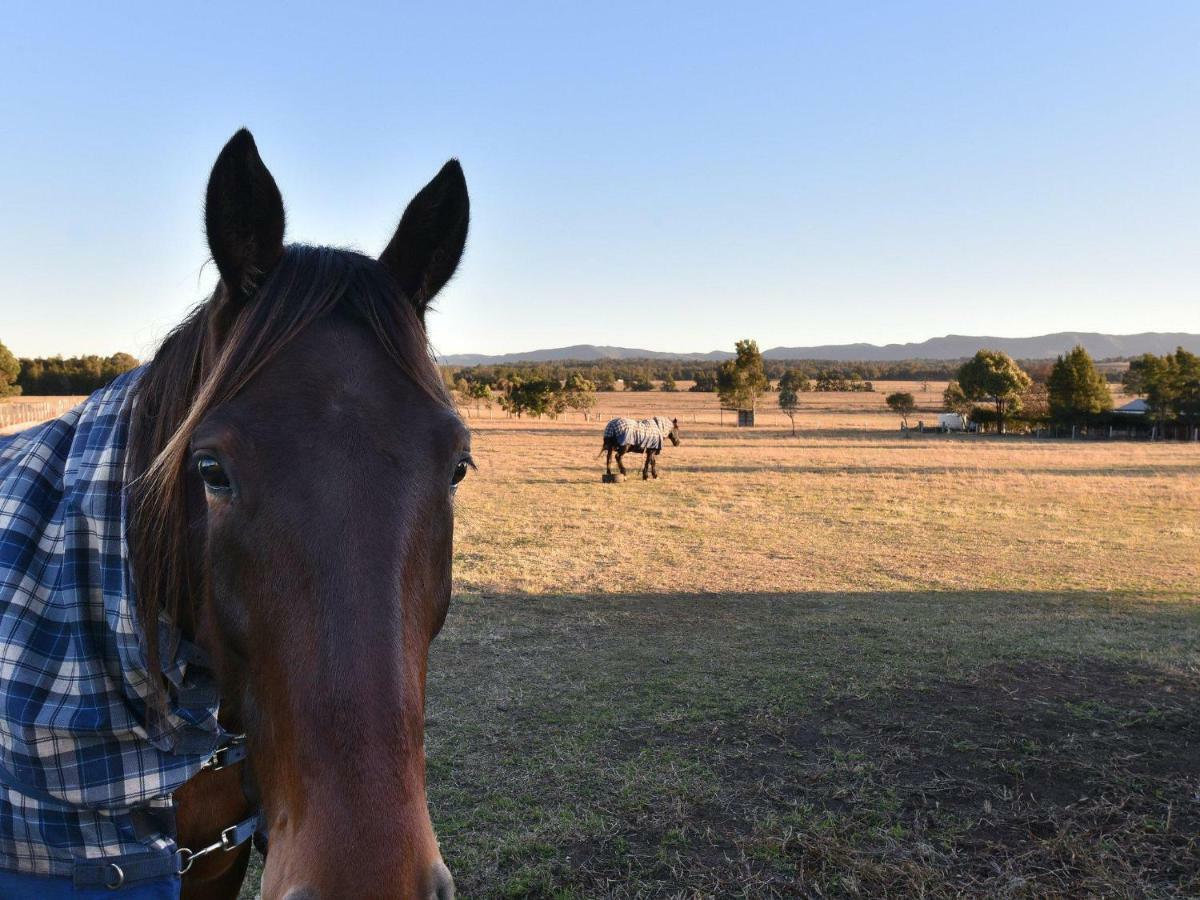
x: 654, y: 465
x: 608, y: 461
x: 620, y: 464
x: 646, y: 465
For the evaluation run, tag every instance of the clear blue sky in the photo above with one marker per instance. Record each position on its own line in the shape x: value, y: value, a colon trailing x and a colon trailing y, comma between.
x: 658, y: 175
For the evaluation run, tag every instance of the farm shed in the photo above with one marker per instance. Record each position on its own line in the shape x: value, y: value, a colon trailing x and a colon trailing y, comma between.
x: 1137, y: 407
x: 745, y: 417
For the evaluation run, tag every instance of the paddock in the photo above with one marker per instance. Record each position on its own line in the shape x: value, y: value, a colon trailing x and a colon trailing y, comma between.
x: 842, y: 664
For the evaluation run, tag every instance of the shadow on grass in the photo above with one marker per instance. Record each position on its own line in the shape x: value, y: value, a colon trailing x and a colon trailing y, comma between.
x: 871, y: 744
x: 1146, y: 471
x: 680, y: 468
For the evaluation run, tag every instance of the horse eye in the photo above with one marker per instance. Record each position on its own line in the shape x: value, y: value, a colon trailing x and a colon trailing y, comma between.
x: 460, y: 472
x: 212, y: 474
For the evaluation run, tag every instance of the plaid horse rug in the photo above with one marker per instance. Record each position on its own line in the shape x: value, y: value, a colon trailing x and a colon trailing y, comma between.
x: 87, y: 767
x: 640, y: 434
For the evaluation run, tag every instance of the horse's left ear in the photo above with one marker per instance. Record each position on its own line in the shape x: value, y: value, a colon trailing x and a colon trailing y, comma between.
x: 675, y: 423
x: 428, y: 243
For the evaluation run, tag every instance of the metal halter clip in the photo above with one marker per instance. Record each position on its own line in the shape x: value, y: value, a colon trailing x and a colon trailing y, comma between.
x: 228, y: 841
x: 227, y: 755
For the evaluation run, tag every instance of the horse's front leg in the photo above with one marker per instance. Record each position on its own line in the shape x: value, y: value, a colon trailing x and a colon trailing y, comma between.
x: 646, y: 465
x: 654, y: 464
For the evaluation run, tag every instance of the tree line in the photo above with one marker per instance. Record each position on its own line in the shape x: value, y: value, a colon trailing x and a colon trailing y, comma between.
x: 533, y: 397
x: 994, y: 391
x: 45, y: 376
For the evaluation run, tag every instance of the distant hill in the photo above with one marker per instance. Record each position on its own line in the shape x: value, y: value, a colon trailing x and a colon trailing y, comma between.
x: 952, y: 346
x: 580, y: 352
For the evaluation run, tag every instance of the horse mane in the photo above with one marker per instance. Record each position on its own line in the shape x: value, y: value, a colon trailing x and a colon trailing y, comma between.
x: 204, y: 362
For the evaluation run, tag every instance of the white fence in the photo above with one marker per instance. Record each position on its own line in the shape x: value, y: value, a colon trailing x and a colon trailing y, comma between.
x: 20, y: 412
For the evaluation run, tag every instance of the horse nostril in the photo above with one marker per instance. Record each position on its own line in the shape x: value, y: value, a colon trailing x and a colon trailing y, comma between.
x: 441, y: 883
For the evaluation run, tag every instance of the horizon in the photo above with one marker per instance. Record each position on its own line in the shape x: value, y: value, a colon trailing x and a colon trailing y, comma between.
x: 684, y: 354
x: 907, y: 172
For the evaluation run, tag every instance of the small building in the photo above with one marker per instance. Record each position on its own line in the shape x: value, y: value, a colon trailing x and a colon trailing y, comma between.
x: 745, y: 417
x: 952, y: 422
x: 1138, y: 407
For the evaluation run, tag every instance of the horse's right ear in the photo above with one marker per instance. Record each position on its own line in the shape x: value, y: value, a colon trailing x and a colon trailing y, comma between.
x: 243, y: 217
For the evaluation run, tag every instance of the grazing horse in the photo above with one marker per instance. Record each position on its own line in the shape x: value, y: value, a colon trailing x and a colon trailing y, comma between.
x: 220, y: 577
x: 634, y: 436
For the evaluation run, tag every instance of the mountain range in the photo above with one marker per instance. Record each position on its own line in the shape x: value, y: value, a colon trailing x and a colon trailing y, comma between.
x: 951, y: 346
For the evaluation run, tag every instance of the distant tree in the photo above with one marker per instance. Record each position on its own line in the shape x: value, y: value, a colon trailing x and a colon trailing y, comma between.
x: 740, y: 381
x: 902, y: 403
x: 1143, y: 371
x: 120, y: 362
x: 1186, y: 377
x: 1035, y: 404
x: 1076, y: 389
x: 10, y: 369
x: 992, y: 375
x: 604, y: 380
x: 668, y: 382
x: 791, y: 386
x: 1170, y: 384
x: 535, y: 397
x: 481, y: 393
x: 954, y: 400
x: 462, y: 388
x: 578, y: 393
x: 639, y: 382
x: 704, y: 382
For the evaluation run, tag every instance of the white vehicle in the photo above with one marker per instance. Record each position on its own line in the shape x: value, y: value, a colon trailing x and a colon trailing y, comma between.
x: 952, y: 422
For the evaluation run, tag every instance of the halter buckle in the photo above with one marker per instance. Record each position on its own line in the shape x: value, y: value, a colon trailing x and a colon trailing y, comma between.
x: 228, y: 755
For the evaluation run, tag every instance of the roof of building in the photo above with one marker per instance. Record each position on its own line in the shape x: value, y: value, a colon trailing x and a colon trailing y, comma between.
x: 1134, y: 407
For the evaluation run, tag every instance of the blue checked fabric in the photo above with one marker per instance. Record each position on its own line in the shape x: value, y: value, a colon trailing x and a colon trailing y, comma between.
x: 86, y: 773
x: 644, y: 434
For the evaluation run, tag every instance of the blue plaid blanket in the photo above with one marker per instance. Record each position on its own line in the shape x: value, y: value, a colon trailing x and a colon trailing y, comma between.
x: 643, y: 434
x: 86, y: 773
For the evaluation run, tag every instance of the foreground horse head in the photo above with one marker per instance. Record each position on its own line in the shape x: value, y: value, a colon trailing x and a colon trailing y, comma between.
x: 673, y: 434
x: 297, y: 455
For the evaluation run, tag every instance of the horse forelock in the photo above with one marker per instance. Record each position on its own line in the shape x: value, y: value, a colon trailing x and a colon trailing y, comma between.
x: 194, y: 371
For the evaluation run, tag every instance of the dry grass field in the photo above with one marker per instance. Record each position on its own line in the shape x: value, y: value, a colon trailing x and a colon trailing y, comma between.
x: 848, y: 663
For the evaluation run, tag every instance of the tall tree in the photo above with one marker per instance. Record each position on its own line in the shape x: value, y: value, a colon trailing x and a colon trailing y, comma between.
x: 993, y: 376
x: 579, y: 394
x: 1170, y: 384
x: 791, y: 385
x: 1186, y: 378
x: 480, y: 393
x: 9, y: 370
x: 741, y: 380
x: 1077, y: 390
x: 954, y: 400
x: 902, y: 403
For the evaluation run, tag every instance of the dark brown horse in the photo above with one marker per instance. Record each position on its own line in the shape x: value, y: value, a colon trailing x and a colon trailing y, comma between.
x: 295, y: 455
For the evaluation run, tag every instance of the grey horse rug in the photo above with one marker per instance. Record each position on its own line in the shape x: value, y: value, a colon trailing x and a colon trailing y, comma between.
x: 640, y: 434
